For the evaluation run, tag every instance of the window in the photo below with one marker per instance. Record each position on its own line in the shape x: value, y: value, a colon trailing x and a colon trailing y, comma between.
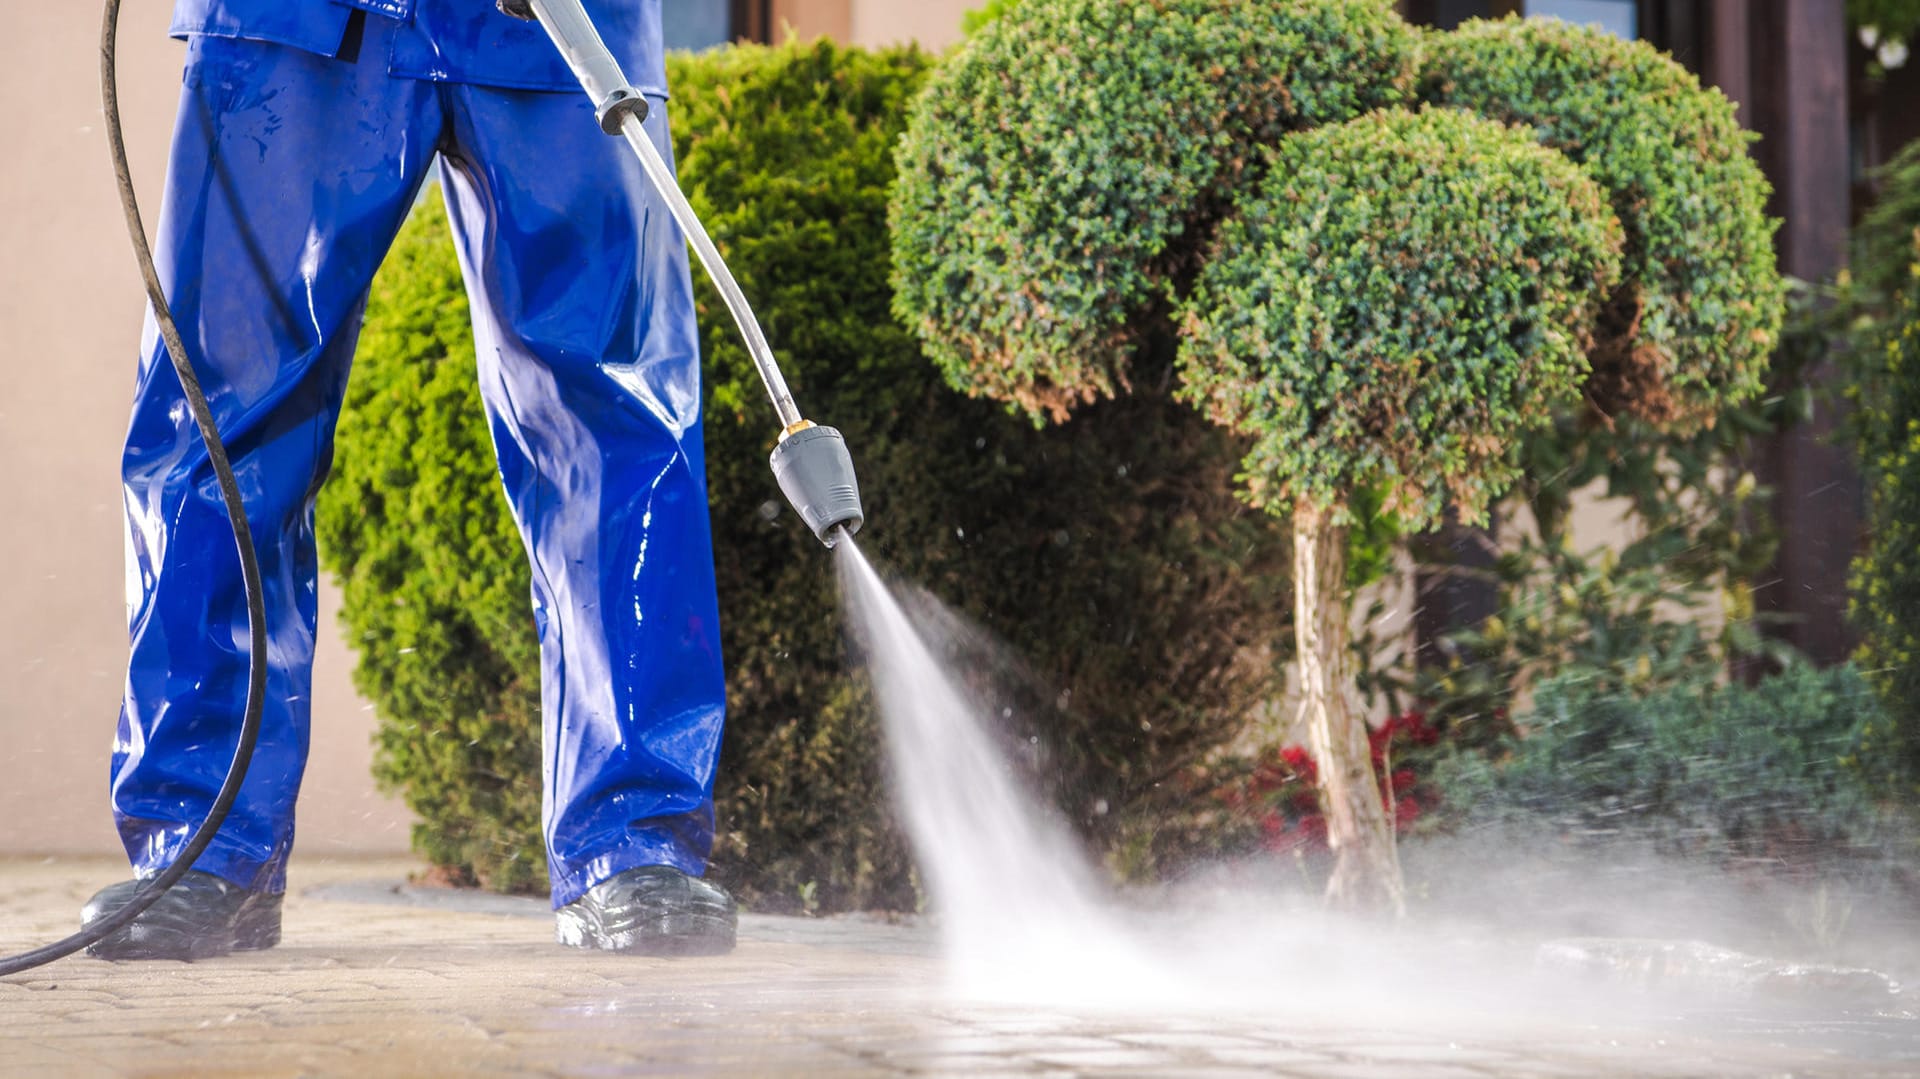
x: 1616, y: 17
x: 696, y: 24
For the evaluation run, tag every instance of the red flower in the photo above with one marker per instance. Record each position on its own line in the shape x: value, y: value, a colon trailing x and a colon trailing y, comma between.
x: 1281, y: 787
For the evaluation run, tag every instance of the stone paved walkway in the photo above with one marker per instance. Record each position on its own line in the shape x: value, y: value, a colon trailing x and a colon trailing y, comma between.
x: 377, y: 980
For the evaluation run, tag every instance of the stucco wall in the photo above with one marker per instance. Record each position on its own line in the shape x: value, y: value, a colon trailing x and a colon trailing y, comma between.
x: 933, y: 23
x: 70, y: 310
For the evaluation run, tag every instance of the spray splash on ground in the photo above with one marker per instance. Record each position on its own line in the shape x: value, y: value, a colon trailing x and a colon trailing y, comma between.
x: 1026, y: 918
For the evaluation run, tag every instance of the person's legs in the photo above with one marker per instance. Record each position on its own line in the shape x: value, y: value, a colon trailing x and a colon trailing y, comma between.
x: 589, y: 365
x: 289, y: 176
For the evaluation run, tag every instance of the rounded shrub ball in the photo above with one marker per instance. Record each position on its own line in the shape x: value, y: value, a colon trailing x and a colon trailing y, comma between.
x: 1064, y: 167
x: 1698, y: 309
x: 1404, y: 293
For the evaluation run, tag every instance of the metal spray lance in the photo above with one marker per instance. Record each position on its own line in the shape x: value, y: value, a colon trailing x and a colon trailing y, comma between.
x: 810, y: 462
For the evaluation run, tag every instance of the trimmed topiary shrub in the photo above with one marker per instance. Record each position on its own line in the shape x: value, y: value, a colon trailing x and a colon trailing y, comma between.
x: 1395, y: 301
x: 1065, y: 166
x: 1699, y: 303
x: 1401, y: 296
x: 1109, y: 552
x: 1886, y: 577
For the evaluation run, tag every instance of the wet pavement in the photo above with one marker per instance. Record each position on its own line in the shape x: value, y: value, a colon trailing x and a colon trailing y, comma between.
x: 378, y: 978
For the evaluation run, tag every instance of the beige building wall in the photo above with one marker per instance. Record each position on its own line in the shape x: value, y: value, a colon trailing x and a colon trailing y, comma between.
x: 70, y: 310
x: 935, y: 24
x: 809, y: 19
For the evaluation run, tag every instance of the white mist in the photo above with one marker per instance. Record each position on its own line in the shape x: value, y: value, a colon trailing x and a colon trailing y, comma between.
x: 1027, y: 919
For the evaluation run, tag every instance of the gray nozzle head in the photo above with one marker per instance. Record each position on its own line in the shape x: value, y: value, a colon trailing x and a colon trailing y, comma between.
x: 816, y: 474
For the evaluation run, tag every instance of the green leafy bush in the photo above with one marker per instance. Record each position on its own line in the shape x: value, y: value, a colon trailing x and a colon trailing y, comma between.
x: 1699, y: 304
x: 1063, y: 169
x: 1402, y: 295
x: 1783, y: 769
x: 1897, y: 17
x: 1887, y: 27
x: 434, y: 577
x: 1109, y: 552
x: 1672, y: 604
x: 1885, y: 241
x: 1627, y: 621
x: 975, y: 18
x: 1886, y: 577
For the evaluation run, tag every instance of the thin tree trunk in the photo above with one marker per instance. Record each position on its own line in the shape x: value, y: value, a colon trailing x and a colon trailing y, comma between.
x: 1366, y: 872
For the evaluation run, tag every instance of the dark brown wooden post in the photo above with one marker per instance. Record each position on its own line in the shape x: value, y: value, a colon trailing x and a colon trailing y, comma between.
x: 1797, y: 70
x: 1728, y: 53
x: 752, y: 20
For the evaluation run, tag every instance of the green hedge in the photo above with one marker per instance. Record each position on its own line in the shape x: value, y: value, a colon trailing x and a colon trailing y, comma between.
x: 433, y: 575
x: 1699, y: 306
x: 1109, y: 552
x: 1784, y: 769
x: 1886, y: 577
x: 1064, y: 168
x: 1885, y: 241
x: 1402, y: 295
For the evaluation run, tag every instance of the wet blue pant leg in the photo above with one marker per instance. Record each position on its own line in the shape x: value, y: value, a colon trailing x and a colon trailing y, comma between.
x: 288, y: 178
x: 589, y: 367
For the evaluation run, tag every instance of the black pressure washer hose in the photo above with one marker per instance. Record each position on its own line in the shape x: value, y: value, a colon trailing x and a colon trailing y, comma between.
x: 242, y: 541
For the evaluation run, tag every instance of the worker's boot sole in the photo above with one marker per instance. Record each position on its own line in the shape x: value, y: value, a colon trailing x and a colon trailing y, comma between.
x: 201, y: 917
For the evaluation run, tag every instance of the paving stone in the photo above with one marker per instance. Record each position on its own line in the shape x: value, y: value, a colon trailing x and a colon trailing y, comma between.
x: 1104, y: 1060
x: 366, y: 991
x: 1442, y: 1053
x: 19, y: 1057
x: 1190, y: 1039
x: 1270, y: 1056
x: 1027, y: 1042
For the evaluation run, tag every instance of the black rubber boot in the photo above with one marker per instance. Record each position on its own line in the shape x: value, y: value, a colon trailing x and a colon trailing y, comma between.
x: 653, y: 910
x: 200, y: 917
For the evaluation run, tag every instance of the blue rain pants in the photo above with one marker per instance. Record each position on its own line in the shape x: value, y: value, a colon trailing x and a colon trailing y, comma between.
x: 290, y: 174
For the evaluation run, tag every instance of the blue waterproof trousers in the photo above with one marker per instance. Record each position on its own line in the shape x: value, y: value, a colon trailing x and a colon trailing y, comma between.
x: 290, y: 174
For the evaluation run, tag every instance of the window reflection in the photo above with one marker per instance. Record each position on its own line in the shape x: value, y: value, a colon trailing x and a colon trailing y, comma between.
x: 696, y: 24
x: 1616, y: 17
